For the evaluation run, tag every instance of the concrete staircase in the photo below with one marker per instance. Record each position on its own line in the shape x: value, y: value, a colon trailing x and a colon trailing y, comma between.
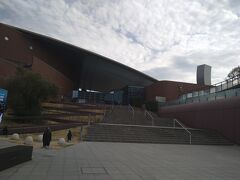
x: 148, y: 134
x: 120, y: 115
x: 119, y: 126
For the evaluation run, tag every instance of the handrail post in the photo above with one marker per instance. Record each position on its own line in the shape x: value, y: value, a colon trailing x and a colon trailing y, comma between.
x: 88, y: 119
x: 130, y: 109
x: 104, y: 113
x: 147, y: 113
x: 190, y: 134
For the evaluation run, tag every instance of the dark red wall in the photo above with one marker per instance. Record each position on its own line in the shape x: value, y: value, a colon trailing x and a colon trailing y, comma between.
x: 7, y: 70
x: 221, y: 115
x: 16, y: 48
x: 170, y: 89
x: 16, y: 52
x: 47, y: 72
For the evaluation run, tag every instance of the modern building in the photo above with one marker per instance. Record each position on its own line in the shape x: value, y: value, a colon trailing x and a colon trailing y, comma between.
x: 68, y: 66
x: 199, y: 105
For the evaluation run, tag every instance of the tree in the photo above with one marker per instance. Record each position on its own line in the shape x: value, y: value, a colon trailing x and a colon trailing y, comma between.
x: 26, y: 92
x: 235, y: 72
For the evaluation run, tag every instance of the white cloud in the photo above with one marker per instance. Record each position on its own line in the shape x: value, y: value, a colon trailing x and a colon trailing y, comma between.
x: 170, y: 36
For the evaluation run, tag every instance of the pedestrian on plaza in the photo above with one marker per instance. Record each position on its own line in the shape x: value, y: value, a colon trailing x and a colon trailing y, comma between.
x: 69, y: 135
x: 47, y: 137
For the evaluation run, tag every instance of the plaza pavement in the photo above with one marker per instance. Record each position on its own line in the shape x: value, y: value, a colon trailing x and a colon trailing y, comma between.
x: 96, y: 160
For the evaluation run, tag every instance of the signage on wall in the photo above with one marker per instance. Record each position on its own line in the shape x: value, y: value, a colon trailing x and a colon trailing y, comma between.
x: 3, y: 102
x: 160, y: 99
x: 75, y: 94
x: 3, y: 96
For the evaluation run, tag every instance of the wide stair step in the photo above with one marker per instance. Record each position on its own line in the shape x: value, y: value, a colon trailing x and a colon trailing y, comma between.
x: 144, y: 134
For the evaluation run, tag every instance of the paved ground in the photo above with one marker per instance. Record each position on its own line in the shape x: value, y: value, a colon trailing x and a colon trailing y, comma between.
x: 93, y: 160
x: 4, y: 144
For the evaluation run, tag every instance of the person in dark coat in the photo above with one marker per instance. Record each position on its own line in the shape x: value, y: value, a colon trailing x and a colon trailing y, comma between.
x: 47, y: 137
x: 69, y: 135
x: 44, y: 138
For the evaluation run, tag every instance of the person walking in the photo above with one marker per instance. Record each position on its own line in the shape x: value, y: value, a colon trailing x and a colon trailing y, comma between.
x: 44, y: 138
x: 47, y: 137
x: 69, y: 135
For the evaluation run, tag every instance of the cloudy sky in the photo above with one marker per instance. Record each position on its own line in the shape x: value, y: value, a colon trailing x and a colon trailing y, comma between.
x: 165, y: 39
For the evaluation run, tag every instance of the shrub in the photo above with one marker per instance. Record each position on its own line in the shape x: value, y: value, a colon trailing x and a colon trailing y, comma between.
x: 26, y: 92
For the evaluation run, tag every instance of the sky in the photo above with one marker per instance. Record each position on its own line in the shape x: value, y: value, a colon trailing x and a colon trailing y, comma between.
x: 165, y: 39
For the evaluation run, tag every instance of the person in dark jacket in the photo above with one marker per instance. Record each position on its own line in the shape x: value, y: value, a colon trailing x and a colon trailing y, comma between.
x: 47, y: 137
x: 69, y: 135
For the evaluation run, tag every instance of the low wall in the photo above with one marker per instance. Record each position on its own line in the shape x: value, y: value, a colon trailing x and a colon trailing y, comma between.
x: 221, y: 115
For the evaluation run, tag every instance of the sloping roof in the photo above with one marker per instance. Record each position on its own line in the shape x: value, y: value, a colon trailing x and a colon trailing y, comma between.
x: 91, y: 70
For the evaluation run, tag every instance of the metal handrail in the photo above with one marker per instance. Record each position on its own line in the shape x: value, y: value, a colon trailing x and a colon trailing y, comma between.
x: 150, y: 115
x: 190, y: 134
x: 130, y: 109
x: 218, y: 87
x: 226, y: 81
x: 104, y: 113
x: 206, y: 97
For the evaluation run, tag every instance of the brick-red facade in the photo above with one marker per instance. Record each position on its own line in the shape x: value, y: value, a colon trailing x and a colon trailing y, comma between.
x: 220, y: 115
x: 18, y: 50
x: 170, y: 89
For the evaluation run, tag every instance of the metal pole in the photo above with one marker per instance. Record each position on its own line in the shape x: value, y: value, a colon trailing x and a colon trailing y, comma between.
x: 88, y: 119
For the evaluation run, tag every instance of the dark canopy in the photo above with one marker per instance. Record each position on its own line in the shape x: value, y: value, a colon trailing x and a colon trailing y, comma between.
x: 89, y: 70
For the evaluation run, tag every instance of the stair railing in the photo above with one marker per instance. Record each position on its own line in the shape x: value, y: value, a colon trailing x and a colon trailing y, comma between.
x: 104, y: 112
x: 190, y: 134
x: 131, y: 110
x: 148, y: 115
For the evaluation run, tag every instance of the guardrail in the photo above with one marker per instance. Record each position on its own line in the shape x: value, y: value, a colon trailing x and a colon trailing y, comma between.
x: 190, y: 134
x: 149, y: 116
x: 131, y: 110
x: 223, y: 90
x: 205, y: 98
x: 215, y: 88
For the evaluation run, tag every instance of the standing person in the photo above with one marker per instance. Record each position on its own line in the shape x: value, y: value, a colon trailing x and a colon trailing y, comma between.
x: 48, y: 137
x: 69, y: 135
x: 44, y: 140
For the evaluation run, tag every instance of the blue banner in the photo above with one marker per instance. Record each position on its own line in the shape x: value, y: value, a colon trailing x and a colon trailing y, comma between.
x: 3, y: 96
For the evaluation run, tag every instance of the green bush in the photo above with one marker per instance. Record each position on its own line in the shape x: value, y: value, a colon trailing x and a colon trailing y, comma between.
x: 26, y: 92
